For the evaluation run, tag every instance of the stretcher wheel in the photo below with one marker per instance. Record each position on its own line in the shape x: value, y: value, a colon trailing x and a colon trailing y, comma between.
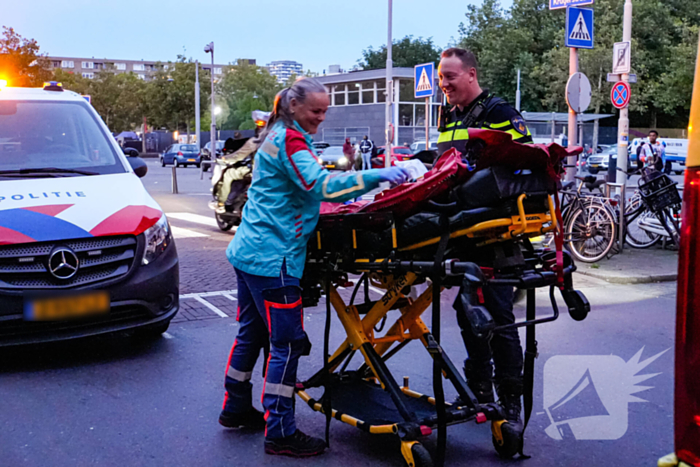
x: 506, y: 438
x: 415, y: 454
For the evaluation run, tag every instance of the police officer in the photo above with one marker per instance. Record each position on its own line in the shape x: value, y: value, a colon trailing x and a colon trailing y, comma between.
x: 470, y: 106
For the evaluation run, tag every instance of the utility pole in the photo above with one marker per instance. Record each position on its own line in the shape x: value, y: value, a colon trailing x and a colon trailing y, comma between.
x: 571, y: 160
x: 623, y: 124
x: 209, y: 48
x: 517, y: 94
x: 196, y: 104
x: 389, y: 93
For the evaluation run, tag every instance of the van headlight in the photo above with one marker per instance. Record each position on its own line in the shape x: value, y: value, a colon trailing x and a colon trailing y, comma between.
x: 158, y: 238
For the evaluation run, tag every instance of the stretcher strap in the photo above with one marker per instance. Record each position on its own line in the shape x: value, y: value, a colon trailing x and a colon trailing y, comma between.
x: 559, y: 242
x: 529, y: 366
x: 437, y: 370
x: 327, y: 406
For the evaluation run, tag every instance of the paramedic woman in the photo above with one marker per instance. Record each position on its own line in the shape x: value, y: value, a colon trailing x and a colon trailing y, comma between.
x: 268, y: 254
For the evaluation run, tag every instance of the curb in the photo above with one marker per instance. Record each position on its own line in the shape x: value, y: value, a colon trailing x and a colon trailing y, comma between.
x: 621, y: 279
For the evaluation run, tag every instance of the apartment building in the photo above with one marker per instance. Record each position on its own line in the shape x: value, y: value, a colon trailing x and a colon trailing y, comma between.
x: 284, y: 69
x: 87, y: 67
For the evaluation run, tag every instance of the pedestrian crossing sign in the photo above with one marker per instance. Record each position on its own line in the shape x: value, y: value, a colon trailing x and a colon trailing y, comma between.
x: 424, y: 76
x: 579, y: 28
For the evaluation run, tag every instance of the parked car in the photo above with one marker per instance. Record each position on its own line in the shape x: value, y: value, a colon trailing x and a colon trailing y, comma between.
x: 419, y: 146
x: 400, y: 153
x: 334, y: 159
x: 378, y: 159
x: 320, y: 146
x: 84, y: 249
x: 598, y: 162
x: 206, y: 150
x: 181, y: 155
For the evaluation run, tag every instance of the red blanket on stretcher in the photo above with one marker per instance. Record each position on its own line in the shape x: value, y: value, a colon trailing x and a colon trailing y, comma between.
x: 495, y: 148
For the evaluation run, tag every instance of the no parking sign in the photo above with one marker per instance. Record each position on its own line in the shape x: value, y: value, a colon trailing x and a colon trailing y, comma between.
x: 620, y: 95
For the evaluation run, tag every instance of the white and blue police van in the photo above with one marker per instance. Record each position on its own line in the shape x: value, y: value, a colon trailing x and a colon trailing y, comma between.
x: 84, y: 249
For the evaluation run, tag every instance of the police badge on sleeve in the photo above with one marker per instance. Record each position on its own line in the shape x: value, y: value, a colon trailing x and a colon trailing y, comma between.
x: 519, y: 125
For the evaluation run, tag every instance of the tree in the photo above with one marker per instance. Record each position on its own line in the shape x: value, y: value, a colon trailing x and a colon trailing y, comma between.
x: 245, y: 88
x: 530, y: 37
x: 407, y: 52
x: 169, y: 96
x: 20, y: 61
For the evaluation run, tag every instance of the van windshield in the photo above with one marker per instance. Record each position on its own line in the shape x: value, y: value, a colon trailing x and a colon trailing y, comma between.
x: 43, y: 136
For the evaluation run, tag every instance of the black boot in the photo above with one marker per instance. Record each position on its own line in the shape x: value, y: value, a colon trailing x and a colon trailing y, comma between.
x: 480, y: 384
x: 296, y: 445
x: 508, y: 433
x: 251, y: 419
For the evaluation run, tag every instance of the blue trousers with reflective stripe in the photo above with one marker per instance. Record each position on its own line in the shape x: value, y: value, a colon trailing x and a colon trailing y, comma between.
x: 269, y: 312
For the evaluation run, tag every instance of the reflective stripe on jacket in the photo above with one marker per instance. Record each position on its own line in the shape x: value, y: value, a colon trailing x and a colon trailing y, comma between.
x: 284, y: 200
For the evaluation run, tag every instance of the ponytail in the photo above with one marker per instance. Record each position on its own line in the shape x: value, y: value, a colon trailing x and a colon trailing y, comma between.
x: 280, y: 109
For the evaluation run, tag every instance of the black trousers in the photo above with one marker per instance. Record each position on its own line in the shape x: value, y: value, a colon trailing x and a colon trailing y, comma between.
x: 503, y: 350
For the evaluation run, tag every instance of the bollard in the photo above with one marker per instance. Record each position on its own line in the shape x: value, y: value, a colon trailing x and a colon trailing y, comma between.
x: 174, y: 180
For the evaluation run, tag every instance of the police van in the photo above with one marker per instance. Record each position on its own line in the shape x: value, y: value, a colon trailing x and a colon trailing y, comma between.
x: 84, y: 249
x: 676, y: 151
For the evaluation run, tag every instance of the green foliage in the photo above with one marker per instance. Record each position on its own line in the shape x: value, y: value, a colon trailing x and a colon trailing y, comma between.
x: 530, y: 37
x: 21, y: 64
x: 168, y: 98
x: 245, y: 88
x: 406, y: 52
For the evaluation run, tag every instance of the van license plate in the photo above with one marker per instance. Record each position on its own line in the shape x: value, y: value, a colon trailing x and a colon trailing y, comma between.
x: 190, y: 160
x: 66, y: 306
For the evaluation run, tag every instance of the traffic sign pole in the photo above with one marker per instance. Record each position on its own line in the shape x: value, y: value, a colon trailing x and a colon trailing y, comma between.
x: 573, y: 120
x: 623, y: 129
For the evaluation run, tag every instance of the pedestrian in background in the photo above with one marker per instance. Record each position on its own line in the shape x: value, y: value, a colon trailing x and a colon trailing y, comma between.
x: 349, y: 152
x: 268, y: 254
x: 366, y: 147
x: 652, y: 153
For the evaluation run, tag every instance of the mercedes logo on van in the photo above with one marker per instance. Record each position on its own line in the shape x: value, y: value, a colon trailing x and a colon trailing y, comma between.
x: 63, y: 263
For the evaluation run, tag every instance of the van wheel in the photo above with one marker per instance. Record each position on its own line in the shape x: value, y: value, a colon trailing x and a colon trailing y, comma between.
x: 176, y: 163
x: 678, y: 172
x: 162, y: 162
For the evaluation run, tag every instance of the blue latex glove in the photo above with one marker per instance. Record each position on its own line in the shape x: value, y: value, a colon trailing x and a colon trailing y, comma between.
x: 394, y: 175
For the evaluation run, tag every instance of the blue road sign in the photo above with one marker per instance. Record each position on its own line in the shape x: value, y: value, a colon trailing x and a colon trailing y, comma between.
x: 424, y: 76
x: 556, y: 4
x: 579, y: 28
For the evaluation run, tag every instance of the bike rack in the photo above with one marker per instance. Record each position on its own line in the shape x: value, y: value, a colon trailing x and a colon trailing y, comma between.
x: 621, y: 231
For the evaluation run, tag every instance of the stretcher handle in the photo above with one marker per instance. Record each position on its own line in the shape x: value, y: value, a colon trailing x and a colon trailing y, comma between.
x: 442, y: 208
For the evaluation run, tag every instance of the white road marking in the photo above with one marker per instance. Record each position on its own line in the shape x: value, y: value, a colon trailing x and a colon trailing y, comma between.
x: 167, y: 335
x: 229, y: 297
x: 211, y: 294
x: 210, y: 306
x: 195, y: 218
x: 179, y: 232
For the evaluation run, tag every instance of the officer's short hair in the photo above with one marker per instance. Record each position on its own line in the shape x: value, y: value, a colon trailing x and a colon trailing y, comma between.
x: 655, y: 132
x: 467, y: 57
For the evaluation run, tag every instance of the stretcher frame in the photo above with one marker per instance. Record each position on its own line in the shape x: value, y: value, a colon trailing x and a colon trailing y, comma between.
x: 395, y: 276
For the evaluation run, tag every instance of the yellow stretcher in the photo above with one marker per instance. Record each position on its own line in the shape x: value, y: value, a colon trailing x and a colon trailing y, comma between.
x: 384, y: 253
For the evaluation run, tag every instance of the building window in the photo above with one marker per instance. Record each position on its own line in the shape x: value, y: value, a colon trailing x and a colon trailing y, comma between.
x: 88, y: 75
x: 339, y: 95
x: 67, y: 64
x: 368, y: 92
x: 56, y: 63
x: 353, y: 93
x: 217, y: 71
x: 139, y: 67
x: 141, y: 76
x: 120, y: 66
x: 381, y: 91
x: 88, y: 65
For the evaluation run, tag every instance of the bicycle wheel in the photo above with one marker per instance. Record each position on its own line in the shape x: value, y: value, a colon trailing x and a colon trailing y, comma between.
x: 636, y: 235
x: 670, y: 225
x: 591, y: 233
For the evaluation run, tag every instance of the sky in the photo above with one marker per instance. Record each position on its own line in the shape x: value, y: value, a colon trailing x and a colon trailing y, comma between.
x: 316, y: 33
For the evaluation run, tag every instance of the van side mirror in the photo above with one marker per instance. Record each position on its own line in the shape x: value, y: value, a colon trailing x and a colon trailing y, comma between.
x: 139, y: 166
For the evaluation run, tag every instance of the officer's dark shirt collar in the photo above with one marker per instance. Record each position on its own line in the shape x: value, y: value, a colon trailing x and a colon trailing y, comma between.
x: 460, y: 114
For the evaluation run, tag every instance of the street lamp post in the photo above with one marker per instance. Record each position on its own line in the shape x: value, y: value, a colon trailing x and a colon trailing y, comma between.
x: 196, y: 104
x: 389, y: 94
x: 209, y: 48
